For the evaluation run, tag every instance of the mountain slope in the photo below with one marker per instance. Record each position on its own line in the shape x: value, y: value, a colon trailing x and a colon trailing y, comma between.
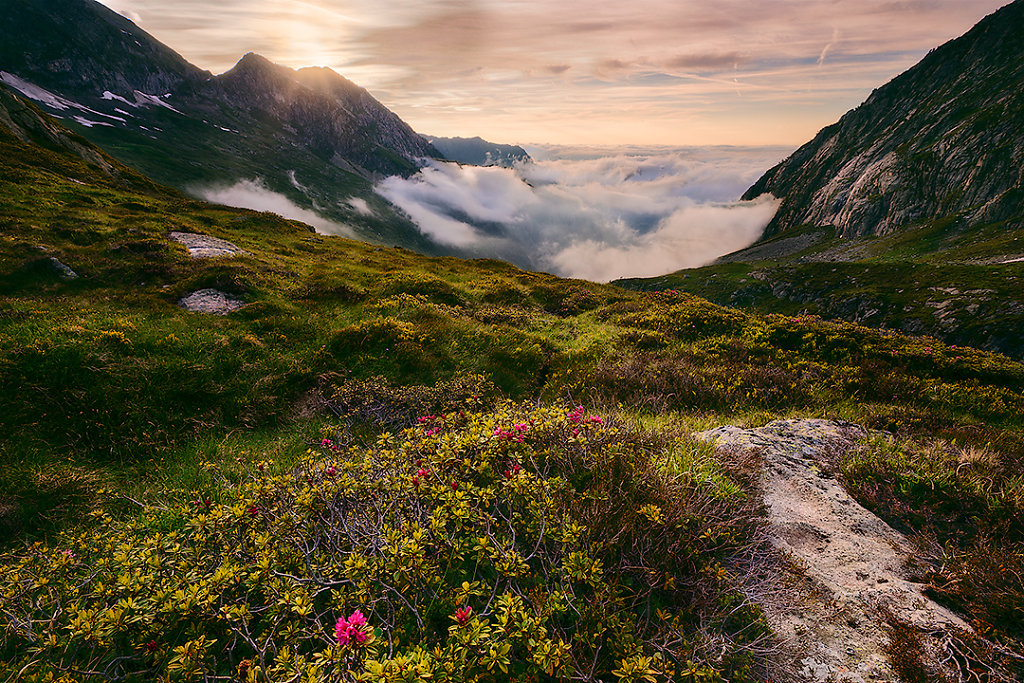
x: 944, y: 139
x: 86, y: 48
x: 479, y: 152
x: 906, y: 214
x: 121, y: 403
x: 310, y: 135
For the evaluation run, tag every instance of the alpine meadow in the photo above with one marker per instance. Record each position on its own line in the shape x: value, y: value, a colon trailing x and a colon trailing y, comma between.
x: 291, y: 392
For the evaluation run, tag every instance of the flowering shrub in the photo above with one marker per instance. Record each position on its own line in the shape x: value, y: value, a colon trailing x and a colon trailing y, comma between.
x: 449, y: 553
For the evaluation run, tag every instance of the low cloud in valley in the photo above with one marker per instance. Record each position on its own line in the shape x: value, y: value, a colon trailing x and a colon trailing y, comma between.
x: 254, y: 194
x: 593, y: 213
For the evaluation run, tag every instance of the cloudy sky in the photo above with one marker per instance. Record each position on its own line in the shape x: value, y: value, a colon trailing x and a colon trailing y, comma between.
x: 672, y: 72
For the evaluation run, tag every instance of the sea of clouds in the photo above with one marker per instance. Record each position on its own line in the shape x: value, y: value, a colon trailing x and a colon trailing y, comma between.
x: 592, y: 213
x: 597, y: 214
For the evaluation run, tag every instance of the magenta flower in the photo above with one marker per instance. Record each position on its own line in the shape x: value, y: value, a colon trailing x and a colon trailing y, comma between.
x: 353, y: 629
x: 463, y: 614
x: 341, y: 631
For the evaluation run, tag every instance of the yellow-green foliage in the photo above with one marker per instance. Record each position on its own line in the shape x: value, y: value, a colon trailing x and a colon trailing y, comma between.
x: 521, y: 544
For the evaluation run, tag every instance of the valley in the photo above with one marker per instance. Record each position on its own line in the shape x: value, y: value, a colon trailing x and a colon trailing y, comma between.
x: 236, y: 446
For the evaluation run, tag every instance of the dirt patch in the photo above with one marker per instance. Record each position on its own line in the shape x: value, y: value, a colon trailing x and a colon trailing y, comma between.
x: 848, y: 565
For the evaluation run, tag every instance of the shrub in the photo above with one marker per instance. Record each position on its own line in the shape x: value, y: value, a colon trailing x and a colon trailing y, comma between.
x: 381, y: 342
x: 378, y: 402
x: 523, y: 544
x: 566, y: 298
x: 429, y: 286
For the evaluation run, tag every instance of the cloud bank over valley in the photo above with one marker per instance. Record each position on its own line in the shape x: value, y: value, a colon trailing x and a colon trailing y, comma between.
x: 598, y: 214
x: 254, y: 194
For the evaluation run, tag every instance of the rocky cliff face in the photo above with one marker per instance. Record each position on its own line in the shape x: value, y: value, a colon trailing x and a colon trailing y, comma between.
x: 943, y: 140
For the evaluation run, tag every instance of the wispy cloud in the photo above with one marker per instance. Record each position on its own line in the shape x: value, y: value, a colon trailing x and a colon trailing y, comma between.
x: 828, y: 46
x: 599, y: 214
x: 254, y: 194
x: 449, y: 66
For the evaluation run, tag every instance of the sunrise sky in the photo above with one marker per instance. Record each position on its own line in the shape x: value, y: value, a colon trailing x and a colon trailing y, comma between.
x: 646, y: 72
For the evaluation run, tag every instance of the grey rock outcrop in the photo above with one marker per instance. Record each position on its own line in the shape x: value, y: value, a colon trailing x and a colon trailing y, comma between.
x: 210, y: 301
x: 852, y: 560
x: 204, y: 246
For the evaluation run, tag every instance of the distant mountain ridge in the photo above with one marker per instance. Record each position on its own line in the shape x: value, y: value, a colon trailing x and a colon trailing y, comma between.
x: 310, y: 134
x: 943, y: 140
x: 479, y: 152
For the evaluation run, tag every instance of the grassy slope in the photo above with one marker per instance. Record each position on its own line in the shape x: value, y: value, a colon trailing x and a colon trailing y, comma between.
x: 931, y: 279
x: 112, y: 393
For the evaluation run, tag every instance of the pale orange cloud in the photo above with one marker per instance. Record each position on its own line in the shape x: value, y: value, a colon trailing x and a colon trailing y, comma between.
x: 648, y: 71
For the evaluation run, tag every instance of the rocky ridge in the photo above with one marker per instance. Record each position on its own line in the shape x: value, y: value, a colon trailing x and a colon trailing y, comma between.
x: 310, y: 135
x: 945, y: 139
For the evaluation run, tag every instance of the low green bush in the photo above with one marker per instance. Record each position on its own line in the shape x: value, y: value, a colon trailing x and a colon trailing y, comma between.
x: 522, y: 544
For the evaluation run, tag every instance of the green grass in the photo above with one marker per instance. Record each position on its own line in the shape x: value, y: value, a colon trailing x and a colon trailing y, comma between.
x: 117, y: 400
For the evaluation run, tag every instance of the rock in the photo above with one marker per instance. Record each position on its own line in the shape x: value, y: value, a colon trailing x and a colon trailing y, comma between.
x: 204, y: 246
x: 851, y: 562
x: 63, y: 270
x: 210, y: 301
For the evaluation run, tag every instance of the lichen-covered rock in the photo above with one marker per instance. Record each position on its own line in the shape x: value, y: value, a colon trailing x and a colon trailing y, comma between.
x: 204, y: 246
x: 210, y: 301
x: 852, y: 561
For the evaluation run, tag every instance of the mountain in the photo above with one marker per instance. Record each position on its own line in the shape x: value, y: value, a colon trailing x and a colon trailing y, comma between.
x: 942, y: 141
x: 310, y: 135
x: 212, y: 494
x: 479, y: 152
x: 907, y: 213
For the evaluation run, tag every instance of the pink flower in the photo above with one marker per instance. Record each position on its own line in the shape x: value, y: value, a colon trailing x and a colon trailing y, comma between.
x: 325, y: 442
x: 352, y: 629
x: 341, y: 631
x: 330, y: 471
x: 463, y: 614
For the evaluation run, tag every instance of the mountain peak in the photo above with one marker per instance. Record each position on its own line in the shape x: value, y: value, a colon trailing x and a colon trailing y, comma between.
x: 253, y: 65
